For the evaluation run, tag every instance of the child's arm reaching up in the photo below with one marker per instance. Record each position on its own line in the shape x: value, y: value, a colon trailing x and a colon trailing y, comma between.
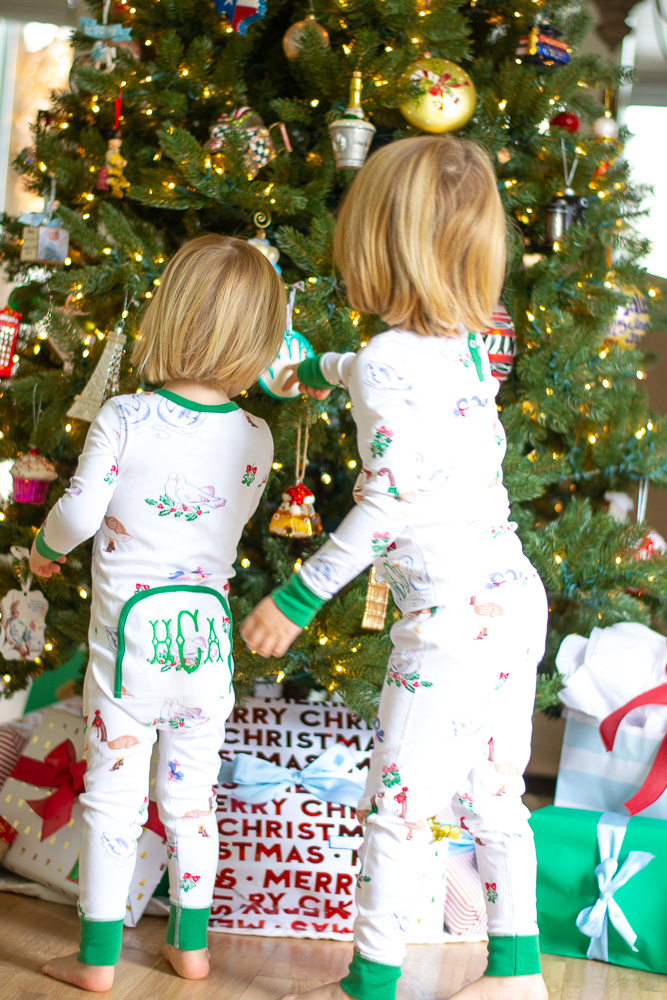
x: 382, y: 396
x: 80, y: 511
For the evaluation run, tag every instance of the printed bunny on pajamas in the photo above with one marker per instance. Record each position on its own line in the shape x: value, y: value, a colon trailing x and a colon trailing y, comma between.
x: 160, y: 649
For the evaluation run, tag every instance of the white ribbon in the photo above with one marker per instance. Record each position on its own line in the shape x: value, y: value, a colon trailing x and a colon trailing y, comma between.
x: 594, y: 920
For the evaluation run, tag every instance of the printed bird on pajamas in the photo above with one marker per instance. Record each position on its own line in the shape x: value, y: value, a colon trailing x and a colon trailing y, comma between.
x: 121, y: 849
x: 490, y: 609
x: 172, y: 711
x: 189, y: 495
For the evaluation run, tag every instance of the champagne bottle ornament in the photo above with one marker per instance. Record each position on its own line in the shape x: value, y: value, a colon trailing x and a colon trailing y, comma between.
x: 103, y: 381
x: 296, y: 516
x: 351, y: 135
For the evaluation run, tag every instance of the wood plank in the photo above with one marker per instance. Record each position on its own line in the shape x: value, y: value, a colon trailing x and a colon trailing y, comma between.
x: 263, y: 968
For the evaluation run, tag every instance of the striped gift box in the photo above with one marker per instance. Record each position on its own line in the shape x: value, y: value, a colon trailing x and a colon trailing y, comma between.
x: 589, y: 777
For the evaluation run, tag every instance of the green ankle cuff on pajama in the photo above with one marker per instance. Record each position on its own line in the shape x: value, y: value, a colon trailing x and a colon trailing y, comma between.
x: 297, y: 601
x: 310, y: 373
x: 186, y: 929
x: 369, y: 980
x: 513, y: 956
x: 100, y: 941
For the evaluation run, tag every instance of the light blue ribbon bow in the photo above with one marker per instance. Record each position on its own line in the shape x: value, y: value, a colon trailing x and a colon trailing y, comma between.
x: 326, y: 777
x: 594, y: 920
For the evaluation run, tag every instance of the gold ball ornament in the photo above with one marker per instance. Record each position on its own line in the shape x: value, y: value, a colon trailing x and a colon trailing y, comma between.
x: 448, y: 96
x: 293, y: 37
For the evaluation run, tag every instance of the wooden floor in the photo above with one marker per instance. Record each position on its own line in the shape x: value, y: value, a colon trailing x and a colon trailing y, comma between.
x: 255, y: 968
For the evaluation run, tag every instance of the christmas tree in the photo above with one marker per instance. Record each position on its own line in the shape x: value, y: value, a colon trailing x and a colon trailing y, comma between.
x: 183, y: 119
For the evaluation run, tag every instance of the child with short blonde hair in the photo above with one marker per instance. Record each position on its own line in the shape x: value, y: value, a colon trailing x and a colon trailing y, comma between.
x: 165, y: 483
x: 420, y: 241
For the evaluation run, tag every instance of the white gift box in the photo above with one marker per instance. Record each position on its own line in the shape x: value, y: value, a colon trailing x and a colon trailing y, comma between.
x: 53, y: 862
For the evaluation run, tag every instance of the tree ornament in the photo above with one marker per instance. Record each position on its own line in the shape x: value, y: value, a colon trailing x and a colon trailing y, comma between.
x: 568, y: 208
x: 566, y: 120
x: 103, y: 381
x: 500, y: 342
x: 263, y: 220
x: 32, y: 475
x: 44, y: 239
x: 241, y: 14
x: 542, y: 46
x: 296, y: 516
x: 631, y: 320
x: 10, y: 322
x: 295, y: 34
x: 23, y: 615
x: 351, y: 135
x: 448, y: 96
x: 111, y: 177
x: 295, y: 348
x: 605, y: 128
x: 377, y: 596
x: 260, y: 148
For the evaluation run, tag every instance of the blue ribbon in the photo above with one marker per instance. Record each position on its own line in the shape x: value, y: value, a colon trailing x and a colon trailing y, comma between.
x: 327, y: 777
x: 38, y: 219
x: 594, y: 920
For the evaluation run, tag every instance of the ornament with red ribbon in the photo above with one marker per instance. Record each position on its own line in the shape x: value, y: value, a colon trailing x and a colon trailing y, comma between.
x: 61, y: 771
x: 656, y: 780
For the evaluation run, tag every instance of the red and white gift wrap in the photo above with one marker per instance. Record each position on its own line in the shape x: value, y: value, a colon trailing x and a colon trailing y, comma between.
x: 288, y: 866
x: 40, y: 802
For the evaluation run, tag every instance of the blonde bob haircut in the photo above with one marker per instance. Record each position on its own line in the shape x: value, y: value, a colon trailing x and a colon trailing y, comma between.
x: 218, y: 316
x: 421, y: 236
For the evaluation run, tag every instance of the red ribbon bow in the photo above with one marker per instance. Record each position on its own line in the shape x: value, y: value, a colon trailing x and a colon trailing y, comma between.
x: 656, y: 780
x: 251, y: 468
x: 59, y: 770
x: 195, y: 878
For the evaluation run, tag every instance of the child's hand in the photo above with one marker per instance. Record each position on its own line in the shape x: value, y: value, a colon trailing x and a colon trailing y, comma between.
x: 268, y: 631
x: 41, y: 566
x: 293, y: 378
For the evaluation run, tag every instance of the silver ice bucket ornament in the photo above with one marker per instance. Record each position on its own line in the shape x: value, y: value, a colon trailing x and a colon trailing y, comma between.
x: 351, y: 135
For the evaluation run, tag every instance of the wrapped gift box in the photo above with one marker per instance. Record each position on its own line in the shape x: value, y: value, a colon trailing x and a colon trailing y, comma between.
x: 52, y: 860
x: 288, y: 857
x: 569, y: 844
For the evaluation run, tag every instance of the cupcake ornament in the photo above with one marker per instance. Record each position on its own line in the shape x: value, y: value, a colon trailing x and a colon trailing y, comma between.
x: 32, y: 475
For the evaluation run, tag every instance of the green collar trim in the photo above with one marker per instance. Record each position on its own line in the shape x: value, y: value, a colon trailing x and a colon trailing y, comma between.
x: 189, y: 404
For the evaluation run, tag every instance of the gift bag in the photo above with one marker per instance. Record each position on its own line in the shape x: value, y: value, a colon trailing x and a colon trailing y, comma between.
x: 601, y: 881
x: 291, y: 776
x: 590, y: 777
x: 40, y: 801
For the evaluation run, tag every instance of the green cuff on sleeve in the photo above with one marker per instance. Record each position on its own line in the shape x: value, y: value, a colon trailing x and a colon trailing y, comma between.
x: 513, y: 956
x: 45, y: 550
x: 297, y: 602
x: 368, y: 980
x: 310, y: 373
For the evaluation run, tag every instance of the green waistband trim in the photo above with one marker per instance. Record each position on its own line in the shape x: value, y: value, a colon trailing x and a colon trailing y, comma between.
x: 369, y: 980
x: 310, y: 373
x: 45, y: 550
x: 189, y: 404
x: 513, y: 956
x: 297, y: 602
x: 100, y: 941
x: 186, y: 929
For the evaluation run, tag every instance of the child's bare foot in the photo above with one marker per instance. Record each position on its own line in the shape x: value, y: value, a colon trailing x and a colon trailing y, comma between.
x: 330, y: 991
x: 504, y: 988
x: 188, y: 964
x: 95, y: 978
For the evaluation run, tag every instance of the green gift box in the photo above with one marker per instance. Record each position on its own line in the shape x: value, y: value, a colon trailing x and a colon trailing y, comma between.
x: 608, y: 875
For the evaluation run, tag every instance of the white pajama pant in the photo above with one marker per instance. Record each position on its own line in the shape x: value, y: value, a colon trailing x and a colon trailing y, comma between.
x: 191, y: 699
x: 453, y: 727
